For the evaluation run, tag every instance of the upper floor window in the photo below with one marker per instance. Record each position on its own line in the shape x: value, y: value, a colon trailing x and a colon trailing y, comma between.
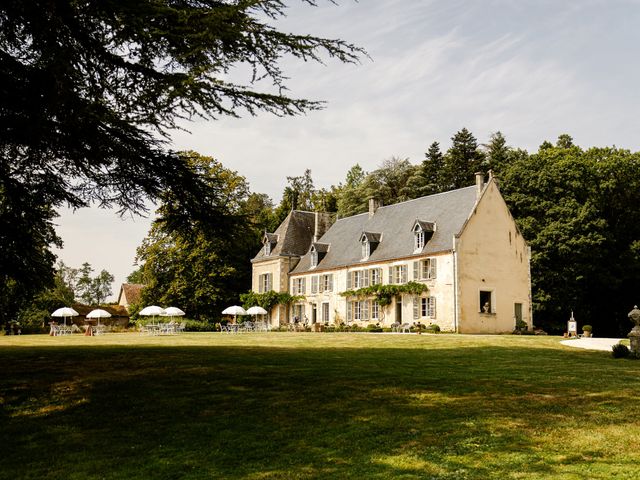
x: 298, y: 286
x: 267, y: 248
x: 264, y: 282
x: 376, y: 276
x: 422, y: 232
x: 426, y: 269
x: 366, y: 249
x: 326, y: 282
x: 398, y: 274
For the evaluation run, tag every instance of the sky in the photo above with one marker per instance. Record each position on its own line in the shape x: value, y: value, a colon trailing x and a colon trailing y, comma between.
x: 532, y: 69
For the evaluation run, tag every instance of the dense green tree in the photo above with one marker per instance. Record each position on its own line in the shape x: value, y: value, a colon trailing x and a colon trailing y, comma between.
x: 427, y: 178
x: 35, y: 315
x: 462, y: 161
x: 90, y: 91
x: 351, y: 199
x: 578, y: 212
x: 388, y: 182
x: 194, y: 267
x: 497, y: 153
x: 92, y: 290
x: 137, y: 276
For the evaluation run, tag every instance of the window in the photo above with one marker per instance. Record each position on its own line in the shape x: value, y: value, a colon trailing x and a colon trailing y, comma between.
x: 375, y: 310
x: 357, y: 279
x: 486, y: 304
x: 298, y: 312
x: 325, y: 312
x: 375, y: 275
x: 360, y: 310
x: 425, y: 269
x: 398, y: 274
x: 419, y: 240
x: 299, y: 286
x: 314, y: 284
x: 264, y: 282
x: 366, y: 249
x: 314, y: 258
x: 267, y: 248
x: 326, y: 283
x: 428, y: 307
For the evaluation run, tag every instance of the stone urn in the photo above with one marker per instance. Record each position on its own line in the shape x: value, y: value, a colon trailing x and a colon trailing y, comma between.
x: 634, y: 334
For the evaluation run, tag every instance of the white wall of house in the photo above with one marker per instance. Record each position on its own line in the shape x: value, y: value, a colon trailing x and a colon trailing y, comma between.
x: 493, y: 258
x: 279, y: 268
x: 441, y: 288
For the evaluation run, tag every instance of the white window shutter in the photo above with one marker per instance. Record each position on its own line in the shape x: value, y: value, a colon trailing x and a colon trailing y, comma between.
x: 433, y: 269
x: 348, y: 311
x: 416, y: 270
x: 432, y: 307
x: 404, y: 274
x: 365, y: 315
x: 269, y: 282
x: 314, y: 284
x: 416, y: 306
x: 390, y: 275
x: 303, y: 289
x: 348, y: 280
x: 365, y: 278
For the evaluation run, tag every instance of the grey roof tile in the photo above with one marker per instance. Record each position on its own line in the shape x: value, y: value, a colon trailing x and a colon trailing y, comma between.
x: 448, y: 210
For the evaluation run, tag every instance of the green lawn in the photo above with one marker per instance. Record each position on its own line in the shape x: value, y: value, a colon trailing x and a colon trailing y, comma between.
x: 279, y: 405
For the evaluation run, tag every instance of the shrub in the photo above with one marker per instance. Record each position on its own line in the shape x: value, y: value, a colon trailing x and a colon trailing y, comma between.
x: 620, y: 351
x: 433, y: 328
x: 199, y: 326
x: 587, y: 328
x: 374, y: 328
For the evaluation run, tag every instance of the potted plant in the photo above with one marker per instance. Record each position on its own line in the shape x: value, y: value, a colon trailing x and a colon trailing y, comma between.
x: 586, y: 330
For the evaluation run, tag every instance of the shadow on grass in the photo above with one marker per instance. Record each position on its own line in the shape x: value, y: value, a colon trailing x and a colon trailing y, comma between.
x: 251, y: 412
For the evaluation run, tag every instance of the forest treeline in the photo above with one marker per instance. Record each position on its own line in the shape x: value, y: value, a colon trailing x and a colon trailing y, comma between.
x: 577, y: 208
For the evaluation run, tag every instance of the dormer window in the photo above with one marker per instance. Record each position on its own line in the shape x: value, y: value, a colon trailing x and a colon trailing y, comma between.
x: 422, y: 233
x: 369, y: 241
x: 269, y: 240
x: 366, y: 249
x: 317, y: 253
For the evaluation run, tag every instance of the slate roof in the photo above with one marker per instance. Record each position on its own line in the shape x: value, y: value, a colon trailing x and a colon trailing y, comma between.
x: 448, y: 210
x: 295, y: 234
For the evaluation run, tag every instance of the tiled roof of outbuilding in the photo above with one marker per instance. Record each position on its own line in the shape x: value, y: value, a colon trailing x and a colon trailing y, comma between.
x: 448, y: 210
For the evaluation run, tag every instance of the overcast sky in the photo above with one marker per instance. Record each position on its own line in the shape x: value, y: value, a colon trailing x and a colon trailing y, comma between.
x: 532, y: 69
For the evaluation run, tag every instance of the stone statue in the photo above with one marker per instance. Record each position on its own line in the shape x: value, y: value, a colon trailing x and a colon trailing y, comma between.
x: 634, y: 334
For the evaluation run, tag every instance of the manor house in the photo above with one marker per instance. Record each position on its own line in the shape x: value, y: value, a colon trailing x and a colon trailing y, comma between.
x: 463, y: 245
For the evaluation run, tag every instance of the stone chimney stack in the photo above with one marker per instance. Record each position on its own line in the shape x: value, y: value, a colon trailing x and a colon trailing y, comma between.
x: 316, y: 235
x: 374, y: 204
x: 479, y: 183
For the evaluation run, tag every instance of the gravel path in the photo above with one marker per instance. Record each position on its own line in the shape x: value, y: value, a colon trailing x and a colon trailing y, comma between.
x: 591, y: 343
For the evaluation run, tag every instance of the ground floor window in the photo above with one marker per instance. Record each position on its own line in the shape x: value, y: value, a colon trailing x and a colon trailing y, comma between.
x: 298, y: 313
x: 325, y: 312
x: 486, y: 304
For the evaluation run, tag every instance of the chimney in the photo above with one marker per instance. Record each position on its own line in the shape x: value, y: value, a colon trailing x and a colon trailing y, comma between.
x: 374, y: 204
x: 315, y: 228
x: 479, y: 183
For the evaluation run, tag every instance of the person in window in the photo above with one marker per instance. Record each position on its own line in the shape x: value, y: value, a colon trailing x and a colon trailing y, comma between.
x: 486, y: 308
x: 295, y: 319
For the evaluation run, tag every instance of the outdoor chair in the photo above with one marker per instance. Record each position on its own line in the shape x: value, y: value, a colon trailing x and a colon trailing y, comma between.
x: 395, y: 327
x: 180, y: 328
x: 100, y: 330
x: 405, y: 328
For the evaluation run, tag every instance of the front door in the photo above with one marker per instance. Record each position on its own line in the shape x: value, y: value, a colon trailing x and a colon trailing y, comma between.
x: 517, y: 312
x: 399, y: 311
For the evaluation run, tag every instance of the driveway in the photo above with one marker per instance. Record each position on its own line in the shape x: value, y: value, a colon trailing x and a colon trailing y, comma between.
x: 591, y: 343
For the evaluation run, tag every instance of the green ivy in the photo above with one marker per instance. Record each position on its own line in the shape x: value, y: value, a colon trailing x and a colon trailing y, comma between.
x: 385, y: 293
x: 269, y: 299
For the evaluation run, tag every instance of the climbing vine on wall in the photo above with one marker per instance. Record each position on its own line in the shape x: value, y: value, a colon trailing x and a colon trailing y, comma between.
x: 268, y: 300
x: 385, y: 293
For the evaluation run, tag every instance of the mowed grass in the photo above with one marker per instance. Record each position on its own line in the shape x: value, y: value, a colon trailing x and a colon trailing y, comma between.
x: 279, y: 405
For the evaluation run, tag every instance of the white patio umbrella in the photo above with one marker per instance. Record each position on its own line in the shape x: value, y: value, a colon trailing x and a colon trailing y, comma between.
x: 151, y: 311
x: 65, y: 312
x: 98, y: 313
x: 256, y: 311
x: 172, y: 312
x: 234, y: 310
